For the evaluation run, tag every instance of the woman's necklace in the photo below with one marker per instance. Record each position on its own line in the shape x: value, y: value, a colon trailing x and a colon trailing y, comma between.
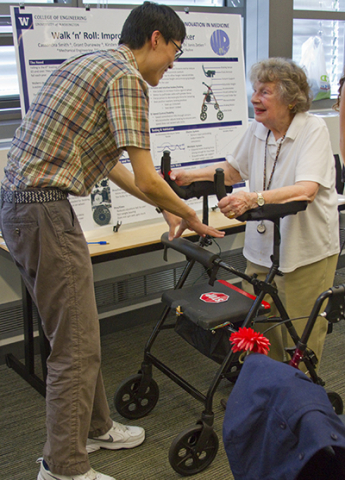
x: 261, y: 228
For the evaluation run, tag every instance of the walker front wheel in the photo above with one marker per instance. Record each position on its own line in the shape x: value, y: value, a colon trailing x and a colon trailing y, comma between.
x: 220, y: 115
x: 336, y: 401
x: 184, y: 455
x: 134, y: 399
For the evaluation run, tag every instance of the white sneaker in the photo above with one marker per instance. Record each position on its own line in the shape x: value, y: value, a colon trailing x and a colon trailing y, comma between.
x: 119, y: 436
x: 46, y: 474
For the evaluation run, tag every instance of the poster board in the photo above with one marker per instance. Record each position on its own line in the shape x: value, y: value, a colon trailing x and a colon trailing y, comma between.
x: 198, y: 111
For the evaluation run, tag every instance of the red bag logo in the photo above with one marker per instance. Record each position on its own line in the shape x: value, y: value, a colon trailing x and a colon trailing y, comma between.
x: 214, y: 297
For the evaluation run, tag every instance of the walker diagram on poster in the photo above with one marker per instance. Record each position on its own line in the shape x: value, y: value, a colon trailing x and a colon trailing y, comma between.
x: 210, y: 98
x: 198, y: 112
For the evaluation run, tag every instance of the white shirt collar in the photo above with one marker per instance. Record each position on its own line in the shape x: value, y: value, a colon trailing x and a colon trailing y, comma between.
x: 295, y: 127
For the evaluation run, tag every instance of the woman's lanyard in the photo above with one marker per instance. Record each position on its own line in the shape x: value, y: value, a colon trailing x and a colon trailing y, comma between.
x: 274, y: 164
x: 261, y: 228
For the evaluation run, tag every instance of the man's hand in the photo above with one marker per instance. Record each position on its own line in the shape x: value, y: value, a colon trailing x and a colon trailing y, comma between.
x: 173, y: 221
x: 195, y: 225
x: 200, y: 228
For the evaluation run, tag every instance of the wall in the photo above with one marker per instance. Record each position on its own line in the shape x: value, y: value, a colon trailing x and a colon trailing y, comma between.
x: 3, y: 158
x: 331, y: 118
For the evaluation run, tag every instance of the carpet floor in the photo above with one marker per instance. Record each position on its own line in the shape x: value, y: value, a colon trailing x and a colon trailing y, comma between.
x: 22, y: 418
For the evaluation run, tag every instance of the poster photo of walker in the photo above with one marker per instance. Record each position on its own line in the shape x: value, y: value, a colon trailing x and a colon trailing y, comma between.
x: 198, y: 112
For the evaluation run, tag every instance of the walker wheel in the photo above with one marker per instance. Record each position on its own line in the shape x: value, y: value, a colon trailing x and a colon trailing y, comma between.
x: 220, y: 115
x: 233, y: 371
x: 183, y: 455
x: 102, y: 215
x: 132, y: 404
x: 336, y: 401
x: 203, y: 116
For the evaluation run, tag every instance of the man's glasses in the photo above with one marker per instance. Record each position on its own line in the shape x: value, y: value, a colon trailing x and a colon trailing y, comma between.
x: 179, y: 53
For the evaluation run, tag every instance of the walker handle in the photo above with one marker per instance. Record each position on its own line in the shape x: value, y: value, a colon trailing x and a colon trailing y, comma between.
x: 273, y: 211
x: 219, y: 183
x: 166, y: 169
x: 195, y: 189
x: 191, y: 250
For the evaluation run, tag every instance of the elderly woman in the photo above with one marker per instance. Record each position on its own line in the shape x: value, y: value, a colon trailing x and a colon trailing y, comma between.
x: 285, y: 155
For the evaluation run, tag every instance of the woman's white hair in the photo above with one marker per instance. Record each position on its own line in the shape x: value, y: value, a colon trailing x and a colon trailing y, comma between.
x: 291, y: 80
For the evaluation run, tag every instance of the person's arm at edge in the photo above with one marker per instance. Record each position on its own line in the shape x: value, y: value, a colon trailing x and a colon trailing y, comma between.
x: 342, y: 123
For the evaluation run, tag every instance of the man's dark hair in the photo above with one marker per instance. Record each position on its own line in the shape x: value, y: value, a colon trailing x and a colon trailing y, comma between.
x: 148, y: 17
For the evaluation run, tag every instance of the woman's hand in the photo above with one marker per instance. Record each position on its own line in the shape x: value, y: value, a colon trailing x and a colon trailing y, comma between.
x: 236, y: 204
x: 182, y: 177
x: 206, y: 174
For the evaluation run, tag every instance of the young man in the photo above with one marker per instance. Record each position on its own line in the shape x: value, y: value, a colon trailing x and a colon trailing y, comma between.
x: 89, y: 110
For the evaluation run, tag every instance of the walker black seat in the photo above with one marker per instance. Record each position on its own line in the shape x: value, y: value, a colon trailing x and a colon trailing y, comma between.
x: 210, y: 307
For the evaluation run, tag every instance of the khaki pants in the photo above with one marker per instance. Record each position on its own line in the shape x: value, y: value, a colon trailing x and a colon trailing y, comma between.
x: 298, y: 291
x: 49, y: 248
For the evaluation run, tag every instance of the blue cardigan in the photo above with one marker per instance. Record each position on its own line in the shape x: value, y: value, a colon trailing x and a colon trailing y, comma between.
x: 277, y: 420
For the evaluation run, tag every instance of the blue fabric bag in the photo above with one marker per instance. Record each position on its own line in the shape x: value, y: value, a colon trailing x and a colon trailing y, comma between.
x: 279, y: 425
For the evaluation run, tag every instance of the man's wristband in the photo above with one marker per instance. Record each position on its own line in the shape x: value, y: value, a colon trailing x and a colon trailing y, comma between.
x: 159, y: 210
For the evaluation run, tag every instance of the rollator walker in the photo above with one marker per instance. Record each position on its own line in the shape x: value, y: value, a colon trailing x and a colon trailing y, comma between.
x: 207, y: 326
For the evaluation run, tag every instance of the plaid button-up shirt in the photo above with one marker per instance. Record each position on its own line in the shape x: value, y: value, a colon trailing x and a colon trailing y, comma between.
x: 90, y: 109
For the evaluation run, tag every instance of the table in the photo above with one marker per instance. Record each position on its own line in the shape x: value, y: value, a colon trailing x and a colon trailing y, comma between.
x: 129, y: 240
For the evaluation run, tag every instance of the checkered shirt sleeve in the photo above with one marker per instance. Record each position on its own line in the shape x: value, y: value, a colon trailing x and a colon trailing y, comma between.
x: 86, y: 113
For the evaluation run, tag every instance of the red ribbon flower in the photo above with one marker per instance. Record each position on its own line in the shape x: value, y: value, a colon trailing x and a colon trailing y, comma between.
x: 248, y: 340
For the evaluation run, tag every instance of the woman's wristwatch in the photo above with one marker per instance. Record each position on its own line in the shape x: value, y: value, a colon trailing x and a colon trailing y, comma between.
x: 260, y: 200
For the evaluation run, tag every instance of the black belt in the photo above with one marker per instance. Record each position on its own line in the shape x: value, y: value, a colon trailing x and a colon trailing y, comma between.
x: 38, y: 195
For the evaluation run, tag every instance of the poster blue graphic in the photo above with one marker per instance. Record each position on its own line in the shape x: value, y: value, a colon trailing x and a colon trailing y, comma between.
x: 220, y: 42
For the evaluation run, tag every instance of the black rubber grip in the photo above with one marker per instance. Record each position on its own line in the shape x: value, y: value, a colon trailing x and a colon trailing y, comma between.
x: 219, y: 183
x: 273, y: 211
x: 165, y: 169
x: 195, y: 189
x: 202, y: 189
x: 190, y: 250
